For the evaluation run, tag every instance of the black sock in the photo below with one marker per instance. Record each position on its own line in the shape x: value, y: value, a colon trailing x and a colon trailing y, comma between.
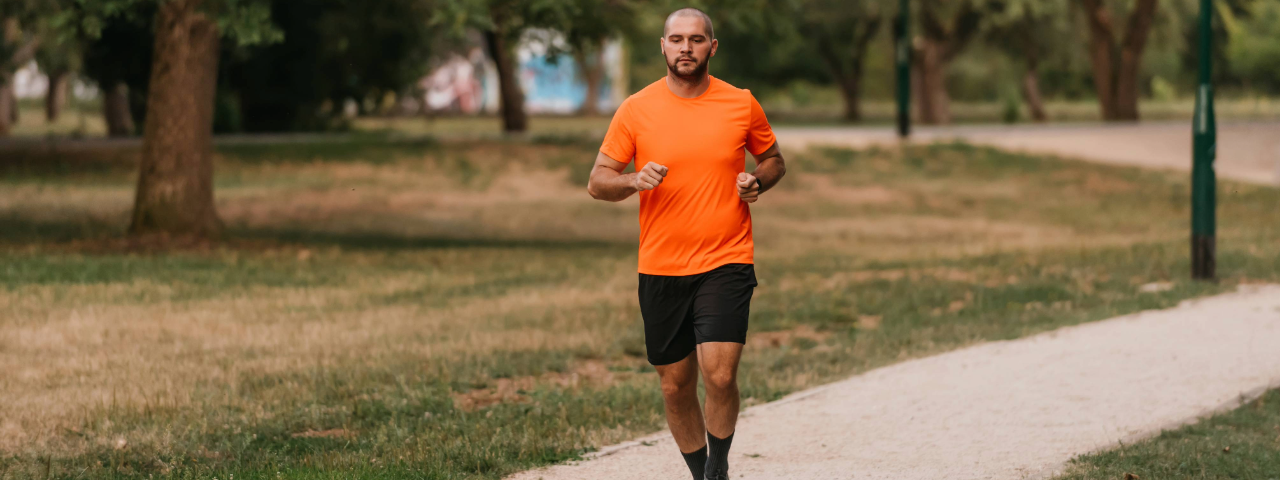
x: 697, y: 461
x: 718, y: 456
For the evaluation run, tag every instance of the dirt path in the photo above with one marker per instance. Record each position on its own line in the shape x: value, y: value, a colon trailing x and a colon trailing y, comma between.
x: 1014, y: 409
x: 1247, y: 151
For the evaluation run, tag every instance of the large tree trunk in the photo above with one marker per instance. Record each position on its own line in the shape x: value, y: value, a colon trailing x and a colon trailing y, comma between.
x: 514, y: 118
x: 1031, y: 93
x: 929, y: 73
x: 175, y: 185
x: 591, y: 64
x: 1117, y: 68
x: 56, y: 97
x: 116, y: 112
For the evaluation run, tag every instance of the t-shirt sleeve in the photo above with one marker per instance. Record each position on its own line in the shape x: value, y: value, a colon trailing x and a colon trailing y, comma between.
x: 620, y: 141
x: 759, y: 133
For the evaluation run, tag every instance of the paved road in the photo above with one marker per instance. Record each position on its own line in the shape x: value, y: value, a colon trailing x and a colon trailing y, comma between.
x: 999, y: 410
x: 1247, y: 151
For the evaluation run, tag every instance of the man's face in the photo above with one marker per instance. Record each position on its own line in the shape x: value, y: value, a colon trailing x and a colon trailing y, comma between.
x: 687, y: 48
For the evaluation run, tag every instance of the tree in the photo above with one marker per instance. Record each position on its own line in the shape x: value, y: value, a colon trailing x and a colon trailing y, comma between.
x: 1028, y: 31
x: 839, y: 32
x: 1252, y: 48
x: 60, y: 58
x: 175, y: 181
x: 21, y: 35
x: 117, y: 56
x: 937, y: 45
x: 1116, y: 66
x: 589, y: 25
x: 332, y: 51
x: 503, y: 24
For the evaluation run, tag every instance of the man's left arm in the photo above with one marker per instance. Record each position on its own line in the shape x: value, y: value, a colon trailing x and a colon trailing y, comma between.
x: 770, y: 167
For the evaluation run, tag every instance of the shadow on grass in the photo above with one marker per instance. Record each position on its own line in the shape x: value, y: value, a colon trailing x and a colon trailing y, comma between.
x: 106, y: 157
x: 373, y: 240
x: 364, y: 148
x: 96, y: 234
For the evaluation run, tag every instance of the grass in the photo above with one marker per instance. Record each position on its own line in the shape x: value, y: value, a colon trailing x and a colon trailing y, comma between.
x: 1240, y: 444
x: 84, y: 119
x: 462, y: 309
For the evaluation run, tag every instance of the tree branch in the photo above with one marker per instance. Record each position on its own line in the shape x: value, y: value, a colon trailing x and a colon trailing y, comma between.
x: 1099, y: 20
x: 24, y: 53
x: 966, y: 25
x: 929, y: 23
x: 861, y: 41
x: 1140, y: 21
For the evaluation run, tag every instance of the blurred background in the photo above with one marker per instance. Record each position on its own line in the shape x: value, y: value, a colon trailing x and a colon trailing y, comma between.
x: 325, y: 65
x: 351, y: 238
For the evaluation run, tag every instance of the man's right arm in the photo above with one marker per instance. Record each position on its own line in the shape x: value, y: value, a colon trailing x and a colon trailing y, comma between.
x: 607, y: 182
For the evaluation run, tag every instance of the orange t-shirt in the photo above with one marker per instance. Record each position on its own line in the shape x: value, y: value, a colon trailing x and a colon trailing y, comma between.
x: 694, y: 221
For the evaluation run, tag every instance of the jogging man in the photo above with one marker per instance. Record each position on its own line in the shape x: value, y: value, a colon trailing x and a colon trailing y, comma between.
x: 687, y: 132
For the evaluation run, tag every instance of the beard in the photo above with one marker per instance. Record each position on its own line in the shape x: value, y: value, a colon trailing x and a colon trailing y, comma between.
x: 685, y: 73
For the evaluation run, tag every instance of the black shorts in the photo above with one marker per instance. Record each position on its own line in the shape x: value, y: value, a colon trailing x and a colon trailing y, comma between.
x: 682, y: 312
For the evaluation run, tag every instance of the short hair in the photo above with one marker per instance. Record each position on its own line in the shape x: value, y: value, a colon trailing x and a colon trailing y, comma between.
x: 691, y: 12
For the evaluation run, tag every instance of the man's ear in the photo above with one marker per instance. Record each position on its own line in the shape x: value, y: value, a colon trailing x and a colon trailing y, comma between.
x: 715, y: 44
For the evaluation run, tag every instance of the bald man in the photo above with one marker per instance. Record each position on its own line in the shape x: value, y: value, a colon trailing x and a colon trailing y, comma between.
x: 687, y: 133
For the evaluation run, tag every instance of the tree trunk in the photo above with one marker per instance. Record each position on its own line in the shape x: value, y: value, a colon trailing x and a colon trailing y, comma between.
x: 115, y: 110
x: 1031, y: 94
x: 851, y: 89
x: 175, y: 185
x: 933, y: 105
x: 514, y: 118
x: 1101, y: 55
x: 591, y: 64
x: 1117, y: 68
x: 56, y: 97
x: 8, y: 105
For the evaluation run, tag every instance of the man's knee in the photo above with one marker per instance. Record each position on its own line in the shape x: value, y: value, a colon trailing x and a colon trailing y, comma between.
x: 721, y: 380
x: 679, y: 385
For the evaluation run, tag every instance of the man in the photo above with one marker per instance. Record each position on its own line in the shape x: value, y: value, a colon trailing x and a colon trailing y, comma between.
x: 687, y: 133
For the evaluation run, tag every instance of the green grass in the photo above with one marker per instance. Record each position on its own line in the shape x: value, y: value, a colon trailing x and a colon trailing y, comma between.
x: 462, y: 309
x: 1241, y: 444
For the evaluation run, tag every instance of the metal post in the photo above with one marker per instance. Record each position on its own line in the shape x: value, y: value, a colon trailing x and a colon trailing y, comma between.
x: 1204, y: 147
x: 903, y: 58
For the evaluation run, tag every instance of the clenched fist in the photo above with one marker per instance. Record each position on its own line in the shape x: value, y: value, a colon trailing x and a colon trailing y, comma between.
x: 748, y: 187
x: 649, y: 177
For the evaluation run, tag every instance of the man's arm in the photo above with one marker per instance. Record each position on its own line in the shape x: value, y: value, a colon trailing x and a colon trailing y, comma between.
x: 770, y: 167
x: 607, y: 182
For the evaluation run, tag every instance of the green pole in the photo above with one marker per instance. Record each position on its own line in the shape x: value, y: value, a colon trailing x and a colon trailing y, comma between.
x: 1204, y: 146
x: 903, y: 64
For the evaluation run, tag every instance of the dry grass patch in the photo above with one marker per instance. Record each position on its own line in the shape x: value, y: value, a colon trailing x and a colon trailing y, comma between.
x: 582, y: 373
x: 779, y: 338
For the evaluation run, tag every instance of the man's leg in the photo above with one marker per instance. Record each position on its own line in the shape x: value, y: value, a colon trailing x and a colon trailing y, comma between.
x: 719, y: 361
x: 684, y: 414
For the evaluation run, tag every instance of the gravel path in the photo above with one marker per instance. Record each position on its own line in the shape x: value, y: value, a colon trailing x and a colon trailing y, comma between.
x: 1001, y: 410
x: 1247, y: 151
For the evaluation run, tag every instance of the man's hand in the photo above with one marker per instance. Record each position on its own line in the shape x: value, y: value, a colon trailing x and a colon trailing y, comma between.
x: 649, y: 177
x: 748, y: 187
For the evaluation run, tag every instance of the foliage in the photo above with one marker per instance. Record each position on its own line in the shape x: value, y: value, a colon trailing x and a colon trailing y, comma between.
x: 1253, y: 48
x: 247, y: 22
x: 331, y: 50
x: 119, y: 50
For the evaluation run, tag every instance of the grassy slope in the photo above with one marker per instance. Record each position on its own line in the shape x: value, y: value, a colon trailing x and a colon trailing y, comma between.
x: 463, y: 310
x: 1240, y: 444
